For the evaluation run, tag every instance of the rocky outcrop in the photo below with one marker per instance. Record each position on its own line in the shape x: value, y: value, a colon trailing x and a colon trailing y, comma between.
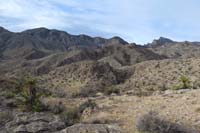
x: 48, y: 123
x: 91, y: 128
x: 35, y: 123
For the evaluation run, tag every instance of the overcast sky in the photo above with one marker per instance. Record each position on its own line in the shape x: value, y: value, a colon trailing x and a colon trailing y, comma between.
x: 138, y: 21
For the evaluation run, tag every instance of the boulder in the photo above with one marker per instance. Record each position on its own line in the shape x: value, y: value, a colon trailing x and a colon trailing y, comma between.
x: 35, y: 123
x: 92, y: 128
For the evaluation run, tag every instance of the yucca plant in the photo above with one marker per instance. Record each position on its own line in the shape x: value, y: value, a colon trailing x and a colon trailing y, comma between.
x: 28, y: 97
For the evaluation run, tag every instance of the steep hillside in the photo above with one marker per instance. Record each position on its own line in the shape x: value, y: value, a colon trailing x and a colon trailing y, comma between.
x: 151, y: 76
x: 125, y: 55
x: 85, y: 77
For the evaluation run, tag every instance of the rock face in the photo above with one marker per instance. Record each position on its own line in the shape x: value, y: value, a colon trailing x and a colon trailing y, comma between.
x: 48, y: 123
x: 34, y: 123
x: 91, y: 128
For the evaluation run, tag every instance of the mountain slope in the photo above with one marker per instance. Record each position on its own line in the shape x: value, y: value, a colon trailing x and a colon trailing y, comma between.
x: 161, y: 75
x: 173, y: 49
x: 43, y: 41
x: 41, y: 50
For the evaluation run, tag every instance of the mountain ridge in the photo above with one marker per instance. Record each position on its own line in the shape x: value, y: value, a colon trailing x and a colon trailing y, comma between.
x: 40, y: 51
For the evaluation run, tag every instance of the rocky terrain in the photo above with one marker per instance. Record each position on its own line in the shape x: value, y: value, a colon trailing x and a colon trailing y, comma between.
x: 52, y: 81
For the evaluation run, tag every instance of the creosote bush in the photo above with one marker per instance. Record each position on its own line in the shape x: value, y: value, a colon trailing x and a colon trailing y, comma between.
x: 152, y: 123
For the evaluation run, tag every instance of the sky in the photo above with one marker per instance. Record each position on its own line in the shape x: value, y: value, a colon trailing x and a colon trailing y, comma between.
x: 138, y: 21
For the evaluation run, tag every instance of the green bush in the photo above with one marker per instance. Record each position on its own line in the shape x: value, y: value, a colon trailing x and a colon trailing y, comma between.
x: 184, y: 83
x: 28, y: 97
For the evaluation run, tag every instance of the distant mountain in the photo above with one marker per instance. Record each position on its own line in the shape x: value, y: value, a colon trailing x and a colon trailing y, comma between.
x: 42, y: 50
x: 41, y: 41
x: 161, y: 41
x: 174, y: 49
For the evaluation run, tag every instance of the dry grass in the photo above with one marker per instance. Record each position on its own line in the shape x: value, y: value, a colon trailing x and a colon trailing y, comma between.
x: 125, y: 110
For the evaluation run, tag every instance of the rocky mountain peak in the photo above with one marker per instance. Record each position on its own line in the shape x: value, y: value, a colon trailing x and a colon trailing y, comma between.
x: 117, y: 40
x: 162, y: 40
x: 3, y: 30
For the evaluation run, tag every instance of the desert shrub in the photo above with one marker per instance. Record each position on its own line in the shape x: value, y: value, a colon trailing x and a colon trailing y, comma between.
x: 56, y: 108
x: 88, y: 104
x: 110, y: 90
x: 184, y: 83
x: 73, y: 115
x: 151, y: 123
x: 28, y: 96
x: 70, y: 116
